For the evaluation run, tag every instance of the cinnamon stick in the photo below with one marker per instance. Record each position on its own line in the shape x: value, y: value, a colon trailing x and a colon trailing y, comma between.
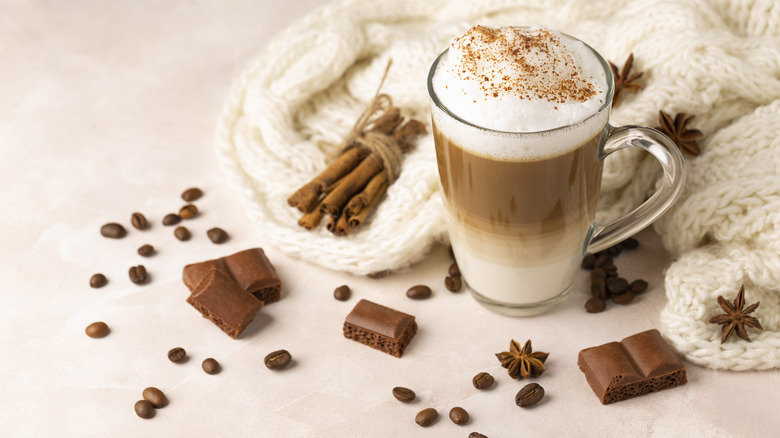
x: 405, y: 135
x: 342, y: 227
x: 311, y: 219
x: 377, y: 184
x: 361, y: 216
x: 351, y: 184
x: 307, y: 196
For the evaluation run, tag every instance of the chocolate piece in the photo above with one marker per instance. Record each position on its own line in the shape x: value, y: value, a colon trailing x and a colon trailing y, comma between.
x: 223, y: 302
x: 380, y: 327
x: 250, y: 269
x: 635, y: 366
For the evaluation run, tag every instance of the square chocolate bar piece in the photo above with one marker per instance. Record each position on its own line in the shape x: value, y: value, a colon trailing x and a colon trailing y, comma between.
x: 380, y: 327
x: 250, y: 269
x: 635, y: 366
x: 225, y: 303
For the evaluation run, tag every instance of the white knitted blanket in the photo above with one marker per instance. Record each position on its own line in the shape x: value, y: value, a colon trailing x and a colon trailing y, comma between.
x: 716, y: 59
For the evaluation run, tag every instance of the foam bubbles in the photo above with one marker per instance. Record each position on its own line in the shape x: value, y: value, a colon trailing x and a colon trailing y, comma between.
x: 520, y: 80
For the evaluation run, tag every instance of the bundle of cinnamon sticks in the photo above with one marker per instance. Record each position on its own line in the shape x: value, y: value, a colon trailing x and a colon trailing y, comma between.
x: 353, y: 184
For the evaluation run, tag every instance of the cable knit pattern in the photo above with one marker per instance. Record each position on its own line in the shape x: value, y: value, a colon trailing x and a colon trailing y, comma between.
x: 717, y: 59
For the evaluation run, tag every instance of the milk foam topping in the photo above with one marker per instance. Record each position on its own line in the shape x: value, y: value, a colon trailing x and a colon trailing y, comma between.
x: 520, y: 80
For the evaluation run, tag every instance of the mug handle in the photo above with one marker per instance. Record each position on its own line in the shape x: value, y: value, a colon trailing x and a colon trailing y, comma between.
x: 671, y: 160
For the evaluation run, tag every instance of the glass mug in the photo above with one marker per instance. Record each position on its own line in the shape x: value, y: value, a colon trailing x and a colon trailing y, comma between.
x: 519, y: 229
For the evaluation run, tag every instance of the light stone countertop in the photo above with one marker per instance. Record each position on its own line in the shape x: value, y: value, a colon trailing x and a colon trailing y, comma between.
x: 107, y: 108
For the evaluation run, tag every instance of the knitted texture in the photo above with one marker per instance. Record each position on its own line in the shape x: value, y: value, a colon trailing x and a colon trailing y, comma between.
x: 717, y: 59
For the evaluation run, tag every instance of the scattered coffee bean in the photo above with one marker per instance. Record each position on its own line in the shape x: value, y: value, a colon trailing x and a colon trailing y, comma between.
x: 601, y: 260
x: 624, y: 298
x: 630, y: 243
x: 97, y: 330
x: 189, y: 211
x: 616, y: 285
x: 98, y: 280
x: 155, y: 397
x: 182, y: 233
x: 419, y: 292
x: 217, y: 235
x: 192, y: 194
x: 454, y: 270
x: 614, y: 250
x: 404, y: 395
x: 595, y: 305
x: 277, y: 360
x: 589, y: 261
x: 146, y: 250
x: 171, y: 219
x: 477, y: 435
x: 210, y: 366
x: 378, y: 274
x: 426, y: 417
x: 177, y: 355
x: 144, y: 409
x: 113, y: 230
x: 453, y: 284
x: 529, y: 395
x: 482, y: 381
x: 459, y: 416
x: 138, y: 274
x: 638, y: 286
x: 139, y: 221
x: 598, y: 288
x: 342, y: 293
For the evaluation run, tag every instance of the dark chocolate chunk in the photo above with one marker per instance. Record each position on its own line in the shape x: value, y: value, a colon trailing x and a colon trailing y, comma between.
x: 380, y: 327
x: 225, y: 303
x: 635, y: 366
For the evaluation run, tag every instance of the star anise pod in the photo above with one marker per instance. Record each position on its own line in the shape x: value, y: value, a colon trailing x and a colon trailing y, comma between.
x: 522, y: 362
x: 676, y: 129
x: 736, y: 317
x: 624, y: 80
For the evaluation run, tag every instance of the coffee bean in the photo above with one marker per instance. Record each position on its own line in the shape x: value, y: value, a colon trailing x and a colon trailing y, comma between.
x: 419, y: 292
x: 454, y: 270
x: 614, y: 250
x: 98, y: 280
x: 146, y: 250
x: 189, y: 211
x: 277, y: 360
x: 597, y: 288
x: 616, y: 285
x: 426, y: 417
x: 453, y: 284
x: 376, y: 275
x: 595, y: 305
x: 139, y: 221
x: 113, y: 230
x: 155, y: 397
x: 144, y: 409
x: 477, y: 435
x: 211, y: 366
x: 217, y: 235
x: 482, y: 381
x: 171, y: 219
x: 342, y: 293
x: 97, y: 330
x: 598, y: 273
x: 623, y: 298
x: 588, y: 261
x: 630, y: 243
x: 182, y: 233
x: 451, y: 252
x: 177, y: 355
x: 459, y: 416
x: 529, y: 395
x: 404, y: 395
x: 191, y: 194
x: 638, y: 286
x: 137, y: 274
x: 601, y: 260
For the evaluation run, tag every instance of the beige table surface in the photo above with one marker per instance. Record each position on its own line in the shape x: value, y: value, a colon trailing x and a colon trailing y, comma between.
x: 107, y: 108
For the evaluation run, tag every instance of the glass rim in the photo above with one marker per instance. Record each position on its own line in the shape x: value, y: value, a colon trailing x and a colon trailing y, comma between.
x: 605, y: 106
